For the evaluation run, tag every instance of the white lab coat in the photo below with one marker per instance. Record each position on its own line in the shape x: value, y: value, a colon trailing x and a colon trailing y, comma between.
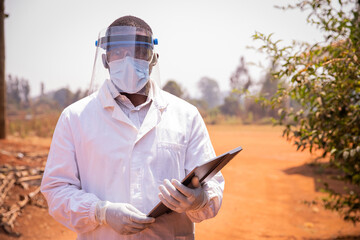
x: 98, y: 154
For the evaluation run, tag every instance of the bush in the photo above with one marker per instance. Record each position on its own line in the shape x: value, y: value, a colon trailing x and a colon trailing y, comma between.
x: 324, y: 79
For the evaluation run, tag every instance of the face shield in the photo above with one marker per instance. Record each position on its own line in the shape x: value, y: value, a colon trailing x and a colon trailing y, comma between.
x: 126, y: 56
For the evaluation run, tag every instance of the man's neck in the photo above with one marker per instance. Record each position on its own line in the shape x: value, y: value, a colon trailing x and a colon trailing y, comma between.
x: 136, y: 99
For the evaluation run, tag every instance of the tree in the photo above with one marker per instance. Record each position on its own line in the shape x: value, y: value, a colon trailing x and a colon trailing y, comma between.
x: 200, y: 104
x: 42, y: 89
x: 64, y: 97
x: 269, y: 87
x: 77, y: 95
x: 17, y: 92
x: 210, y: 91
x: 240, y: 80
x: 174, y: 88
x: 324, y: 79
x: 231, y: 105
x: 13, y: 90
x: 2, y: 71
x: 25, y: 92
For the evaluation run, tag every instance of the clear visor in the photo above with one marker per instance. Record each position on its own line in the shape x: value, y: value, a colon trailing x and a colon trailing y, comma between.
x: 114, y: 44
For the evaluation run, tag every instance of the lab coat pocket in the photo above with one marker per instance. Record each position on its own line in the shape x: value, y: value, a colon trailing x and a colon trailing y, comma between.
x: 170, y: 161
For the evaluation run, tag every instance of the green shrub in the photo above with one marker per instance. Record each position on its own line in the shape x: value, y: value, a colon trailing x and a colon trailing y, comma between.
x: 324, y: 79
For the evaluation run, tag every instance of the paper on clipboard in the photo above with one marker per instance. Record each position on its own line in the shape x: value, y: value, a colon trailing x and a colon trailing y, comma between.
x: 204, y: 172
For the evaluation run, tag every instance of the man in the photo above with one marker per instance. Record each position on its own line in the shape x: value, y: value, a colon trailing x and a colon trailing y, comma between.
x: 118, y: 152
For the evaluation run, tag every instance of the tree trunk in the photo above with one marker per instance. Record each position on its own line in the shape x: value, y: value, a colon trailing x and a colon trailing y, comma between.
x: 2, y: 71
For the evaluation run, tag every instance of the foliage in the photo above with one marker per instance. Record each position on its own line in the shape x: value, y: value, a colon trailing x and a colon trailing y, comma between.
x: 201, y: 105
x: 242, y: 101
x: 240, y: 80
x: 36, y: 116
x: 269, y: 87
x: 324, y: 79
x: 64, y: 97
x: 17, y: 91
x: 237, y: 104
x: 174, y: 88
x: 214, y: 116
x: 210, y: 91
x: 231, y: 105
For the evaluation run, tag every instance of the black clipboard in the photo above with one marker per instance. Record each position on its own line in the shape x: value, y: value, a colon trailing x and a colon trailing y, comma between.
x: 204, y: 172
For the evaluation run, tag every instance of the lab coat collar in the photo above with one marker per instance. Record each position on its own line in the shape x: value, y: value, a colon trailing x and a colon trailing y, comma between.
x: 105, y: 96
x: 152, y: 118
x: 107, y: 100
x: 158, y: 95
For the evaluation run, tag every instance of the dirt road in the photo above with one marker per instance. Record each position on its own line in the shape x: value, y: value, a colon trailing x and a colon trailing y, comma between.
x: 265, y: 189
x: 263, y: 199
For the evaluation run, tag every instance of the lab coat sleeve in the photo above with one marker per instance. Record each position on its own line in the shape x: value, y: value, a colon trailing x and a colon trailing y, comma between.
x: 199, y: 151
x: 61, y: 185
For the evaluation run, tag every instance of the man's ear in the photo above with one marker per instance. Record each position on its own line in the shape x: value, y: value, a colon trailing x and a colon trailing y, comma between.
x: 153, y: 62
x: 103, y: 56
x: 154, y: 59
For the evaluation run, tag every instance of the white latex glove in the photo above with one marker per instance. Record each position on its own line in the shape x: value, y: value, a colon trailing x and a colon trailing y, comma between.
x: 180, y: 198
x: 124, y: 218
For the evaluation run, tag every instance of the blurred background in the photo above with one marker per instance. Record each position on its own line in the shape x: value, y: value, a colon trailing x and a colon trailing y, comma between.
x: 50, y: 46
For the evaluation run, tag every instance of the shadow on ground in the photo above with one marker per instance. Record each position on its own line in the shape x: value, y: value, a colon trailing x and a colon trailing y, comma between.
x: 321, y: 175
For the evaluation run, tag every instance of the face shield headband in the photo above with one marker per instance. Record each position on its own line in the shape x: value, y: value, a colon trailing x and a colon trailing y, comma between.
x: 120, y: 46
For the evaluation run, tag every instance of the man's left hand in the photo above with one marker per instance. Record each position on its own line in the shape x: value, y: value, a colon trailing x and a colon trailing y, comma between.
x: 180, y: 198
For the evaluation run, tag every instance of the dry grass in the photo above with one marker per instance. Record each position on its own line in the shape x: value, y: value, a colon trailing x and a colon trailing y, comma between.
x: 25, y: 125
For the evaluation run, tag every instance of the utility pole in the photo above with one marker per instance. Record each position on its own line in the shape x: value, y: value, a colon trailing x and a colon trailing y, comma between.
x: 2, y: 71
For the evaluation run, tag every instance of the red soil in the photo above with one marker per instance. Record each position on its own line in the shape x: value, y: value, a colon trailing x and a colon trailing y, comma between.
x: 266, y: 185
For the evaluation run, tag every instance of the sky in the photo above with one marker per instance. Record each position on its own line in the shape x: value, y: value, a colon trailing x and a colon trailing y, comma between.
x: 54, y: 41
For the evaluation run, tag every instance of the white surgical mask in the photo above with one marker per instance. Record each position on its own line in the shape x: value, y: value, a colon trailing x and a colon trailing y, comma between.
x: 129, y: 74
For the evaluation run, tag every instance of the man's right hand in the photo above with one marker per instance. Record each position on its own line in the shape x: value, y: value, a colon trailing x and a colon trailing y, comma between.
x: 124, y: 218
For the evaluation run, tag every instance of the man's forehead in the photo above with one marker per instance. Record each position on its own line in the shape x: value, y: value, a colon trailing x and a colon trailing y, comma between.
x: 143, y: 32
x: 125, y: 36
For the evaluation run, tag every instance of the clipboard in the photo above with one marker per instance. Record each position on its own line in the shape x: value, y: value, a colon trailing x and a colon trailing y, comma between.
x: 204, y: 172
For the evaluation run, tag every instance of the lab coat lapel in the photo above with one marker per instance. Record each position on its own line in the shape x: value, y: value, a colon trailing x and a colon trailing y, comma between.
x: 107, y: 101
x: 153, y: 117
x: 151, y: 120
x: 119, y: 115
